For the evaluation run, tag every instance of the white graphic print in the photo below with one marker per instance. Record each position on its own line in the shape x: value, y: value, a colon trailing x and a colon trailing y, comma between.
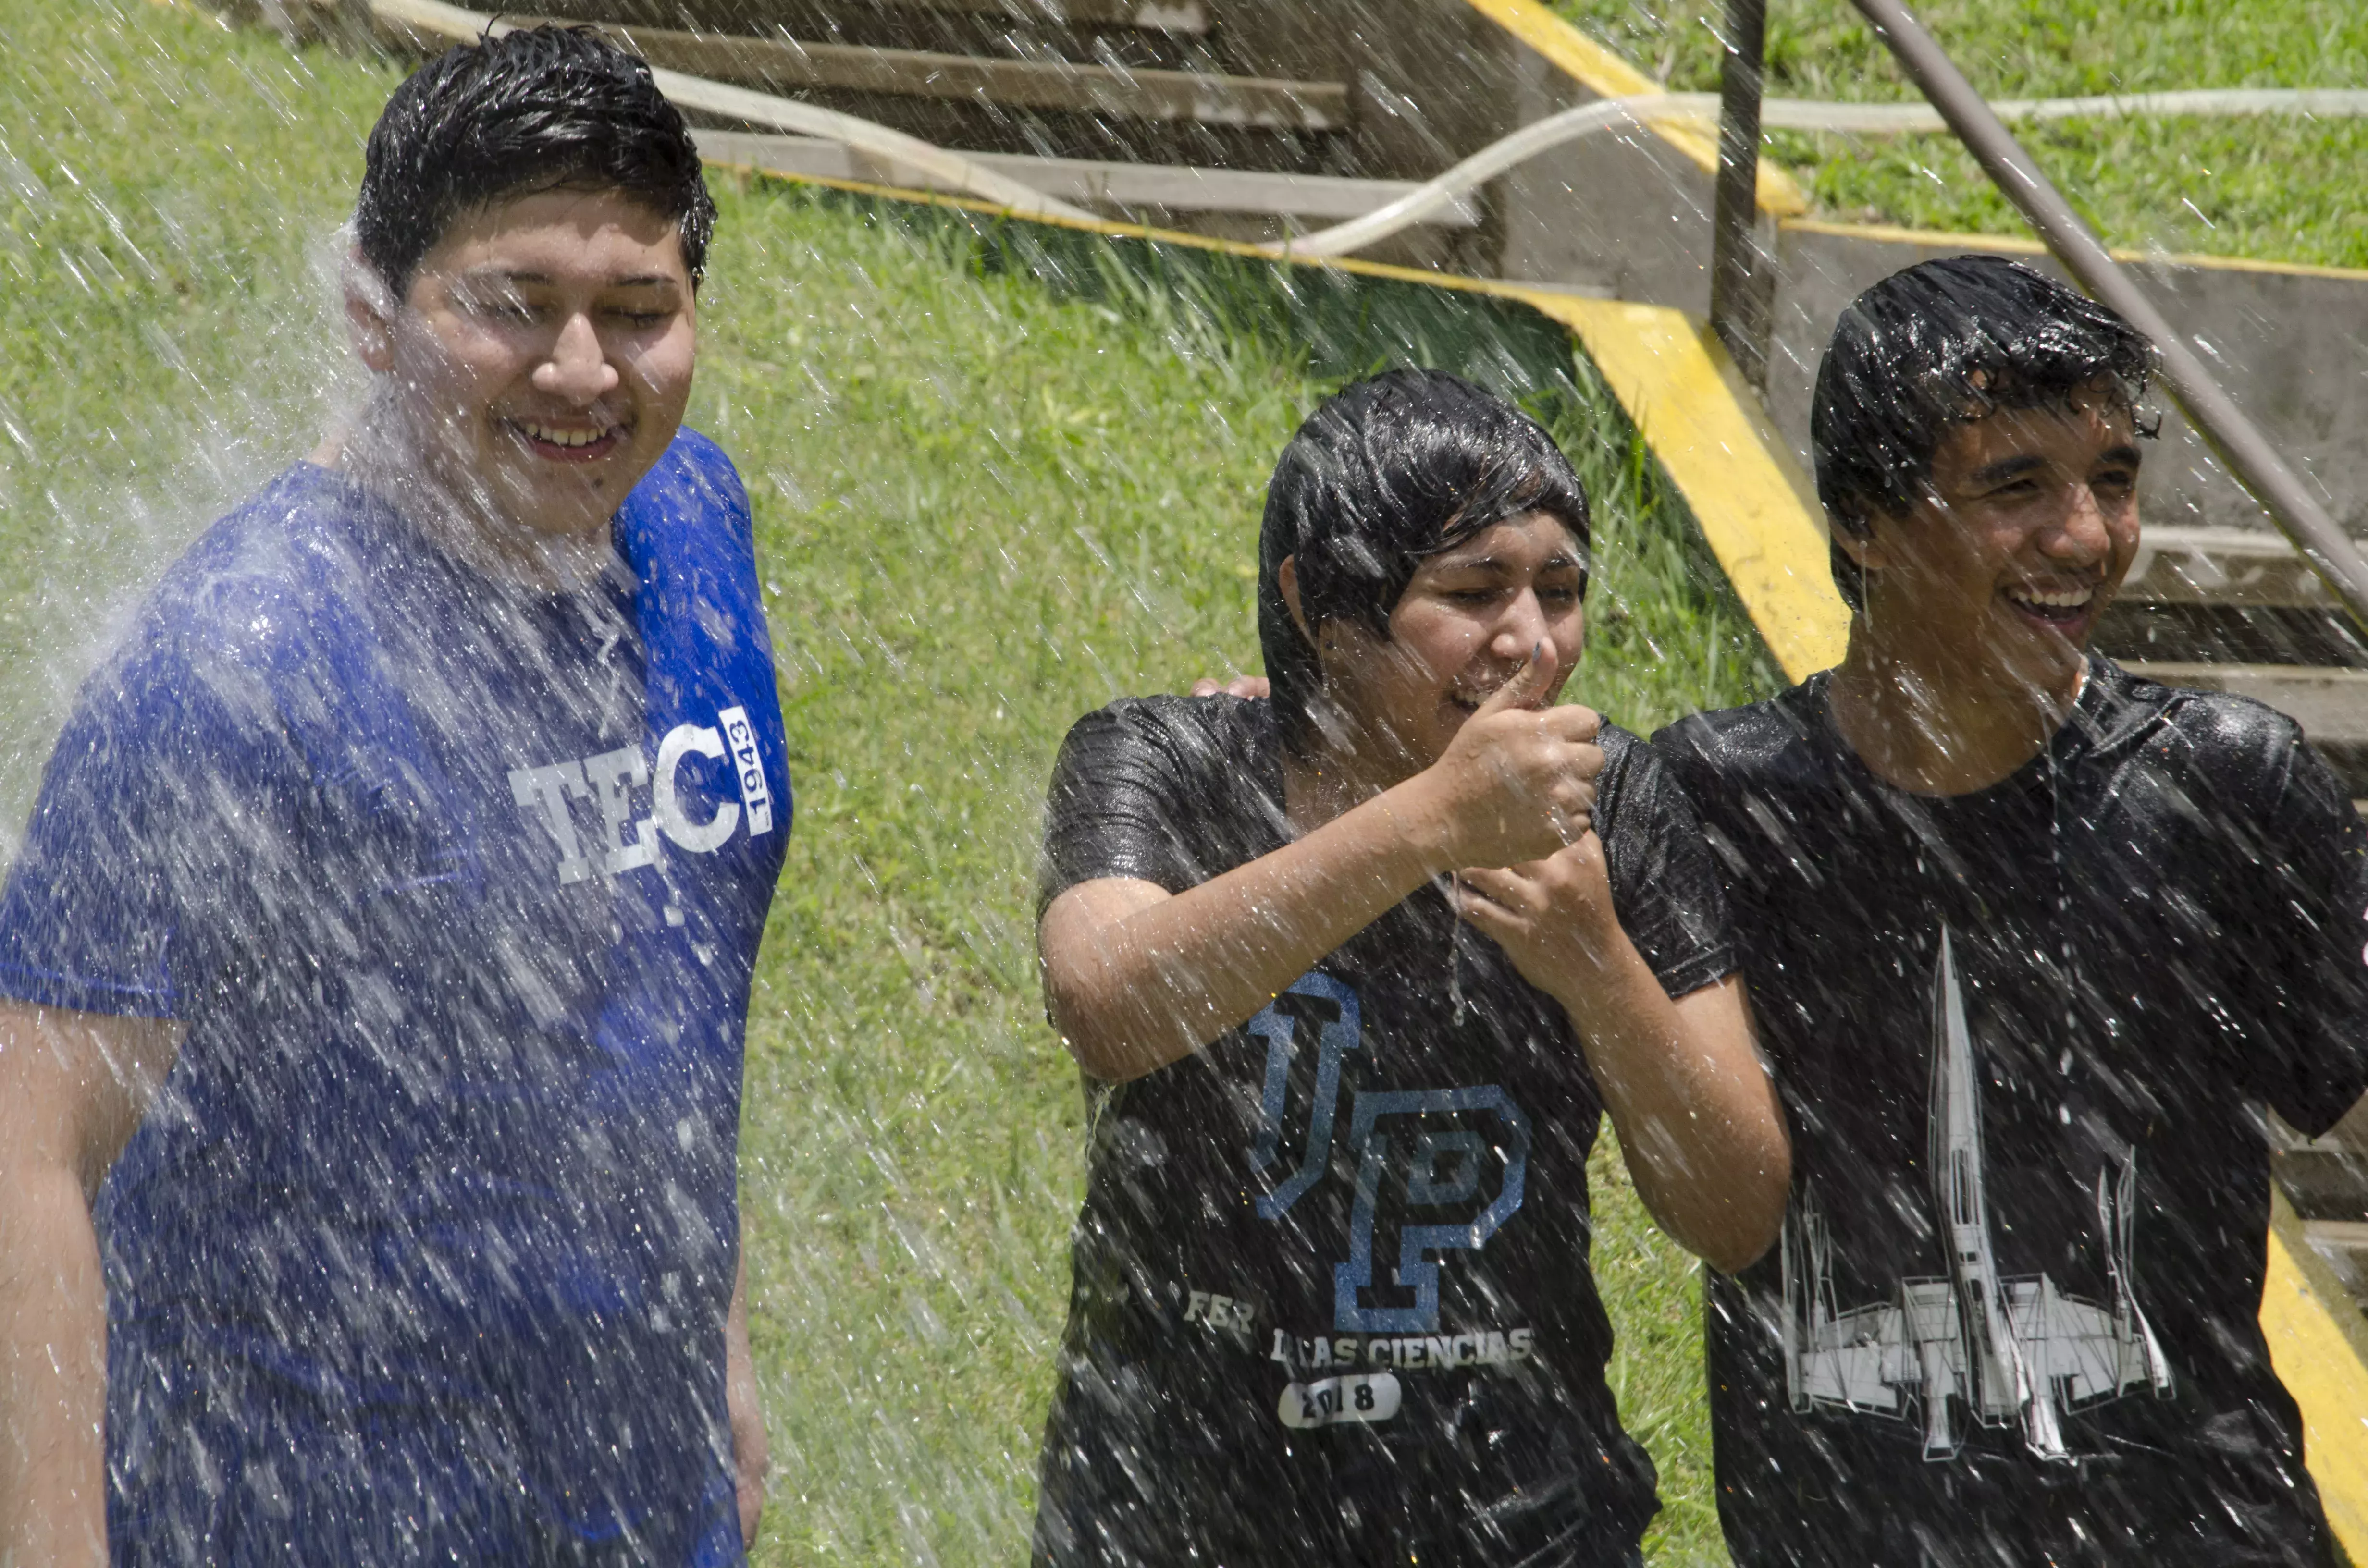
x: 611, y: 780
x: 2003, y: 1352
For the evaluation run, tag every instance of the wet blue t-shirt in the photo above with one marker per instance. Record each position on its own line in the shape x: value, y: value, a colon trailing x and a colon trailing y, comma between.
x: 423, y: 1250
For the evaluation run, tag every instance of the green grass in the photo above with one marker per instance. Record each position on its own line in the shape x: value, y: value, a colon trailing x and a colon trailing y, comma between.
x: 999, y: 477
x: 2273, y: 187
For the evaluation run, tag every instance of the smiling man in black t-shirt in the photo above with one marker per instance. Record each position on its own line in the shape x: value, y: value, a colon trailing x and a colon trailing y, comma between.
x: 2032, y: 943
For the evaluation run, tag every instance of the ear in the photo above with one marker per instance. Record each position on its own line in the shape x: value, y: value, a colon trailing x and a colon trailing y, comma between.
x: 1286, y: 582
x: 1870, y: 550
x: 370, y: 306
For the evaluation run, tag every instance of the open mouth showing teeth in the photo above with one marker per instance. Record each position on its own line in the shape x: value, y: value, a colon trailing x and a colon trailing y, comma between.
x: 567, y: 439
x: 2052, y: 603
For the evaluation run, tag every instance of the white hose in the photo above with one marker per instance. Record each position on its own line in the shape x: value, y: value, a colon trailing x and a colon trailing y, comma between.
x: 950, y: 170
x: 1775, y: 114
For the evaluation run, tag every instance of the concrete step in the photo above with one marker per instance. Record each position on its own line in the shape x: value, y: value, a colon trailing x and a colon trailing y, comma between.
x: 2331, y: 705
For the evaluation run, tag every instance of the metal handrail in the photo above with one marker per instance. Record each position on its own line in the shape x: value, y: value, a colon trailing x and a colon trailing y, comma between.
x: 1741, y: 280
x: 2233, y: 437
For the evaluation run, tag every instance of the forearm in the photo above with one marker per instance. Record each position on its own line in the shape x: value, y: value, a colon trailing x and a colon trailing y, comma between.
x: 52, y: 1372
x: 1134, y: 993
x: 1698, y: 1121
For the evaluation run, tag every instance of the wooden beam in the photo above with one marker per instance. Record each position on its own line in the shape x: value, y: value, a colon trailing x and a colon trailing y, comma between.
x: 1188, y: 16
x: 1175, y: 187
x: 780, y: 64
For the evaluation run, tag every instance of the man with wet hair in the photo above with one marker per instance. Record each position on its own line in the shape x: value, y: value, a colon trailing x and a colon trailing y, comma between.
x: 380, y: 951
x: 2033, y: 943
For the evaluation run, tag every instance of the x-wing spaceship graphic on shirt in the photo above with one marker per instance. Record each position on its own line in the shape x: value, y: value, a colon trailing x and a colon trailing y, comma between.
x: 2001, y: 1351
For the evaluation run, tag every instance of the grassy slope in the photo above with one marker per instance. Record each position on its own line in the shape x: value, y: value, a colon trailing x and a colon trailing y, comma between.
x: 2277, y: 188
x: 983, y: 506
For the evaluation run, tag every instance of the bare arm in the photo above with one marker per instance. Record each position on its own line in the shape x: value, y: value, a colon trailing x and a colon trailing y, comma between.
x: 73, y: 1088
x: 1698, y: 1118
x: 752, y: 1450
x: 1137, y: 978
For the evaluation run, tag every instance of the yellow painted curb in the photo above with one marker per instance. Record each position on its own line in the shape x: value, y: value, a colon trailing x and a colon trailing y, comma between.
x: 1751, y: 500
x: 2021, y: 244
x: 2320, y: 1366
x: 1605, y: 72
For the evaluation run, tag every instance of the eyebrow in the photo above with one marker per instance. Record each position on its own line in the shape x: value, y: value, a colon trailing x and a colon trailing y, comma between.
x: 505, y: 274
x: 2127, y: 452
x: 2005, y: 467
x: 1560, y: 558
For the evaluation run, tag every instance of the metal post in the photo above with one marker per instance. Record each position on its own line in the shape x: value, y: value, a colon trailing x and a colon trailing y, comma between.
x: 1740, y: 281
x: 2214, y: 415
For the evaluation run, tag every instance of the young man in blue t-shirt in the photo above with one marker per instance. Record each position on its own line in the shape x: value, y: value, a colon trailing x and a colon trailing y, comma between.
x: 378, y: 959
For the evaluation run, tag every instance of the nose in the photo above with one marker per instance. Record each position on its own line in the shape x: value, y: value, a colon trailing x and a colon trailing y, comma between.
x: 578, y: 366
x: 1521, y: 628
x: 2084, y: 537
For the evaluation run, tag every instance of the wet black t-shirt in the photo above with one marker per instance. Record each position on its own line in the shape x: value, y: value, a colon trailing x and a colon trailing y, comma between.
x: 1331, y: 1299
x: 2025, y: 1037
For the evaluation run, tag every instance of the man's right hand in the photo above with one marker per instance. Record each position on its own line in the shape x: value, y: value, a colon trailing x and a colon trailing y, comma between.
x: 1255, y: 688
x: 1517, y: 781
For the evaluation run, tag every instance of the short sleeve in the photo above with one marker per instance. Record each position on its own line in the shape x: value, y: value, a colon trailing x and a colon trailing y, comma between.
x: 2305, y: 924
x: 148, y: 813
x: 1665, y: 885
x: 1163, y: 791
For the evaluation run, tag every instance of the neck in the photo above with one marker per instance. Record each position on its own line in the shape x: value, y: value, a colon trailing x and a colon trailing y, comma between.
x: 1926, y: 719
x: 386, y: 458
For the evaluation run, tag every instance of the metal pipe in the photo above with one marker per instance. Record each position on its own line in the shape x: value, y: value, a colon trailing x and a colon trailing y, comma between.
x: 2238, y: 443
x: 1740, y: 286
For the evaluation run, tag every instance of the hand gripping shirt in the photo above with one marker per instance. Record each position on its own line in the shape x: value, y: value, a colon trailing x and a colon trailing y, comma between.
x: 423, y: 1250
x: 1331, y: 1297
x: 2026, y: 1037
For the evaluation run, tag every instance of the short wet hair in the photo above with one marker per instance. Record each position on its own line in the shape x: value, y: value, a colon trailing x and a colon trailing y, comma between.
x: 539, y: 109
x: 1942, y: 344
x: 1388, y: 472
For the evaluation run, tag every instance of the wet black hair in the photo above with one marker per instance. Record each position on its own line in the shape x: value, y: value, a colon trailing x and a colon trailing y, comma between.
x: 1941, y: 344
x: 539, y: 108
x: 1384, y: 474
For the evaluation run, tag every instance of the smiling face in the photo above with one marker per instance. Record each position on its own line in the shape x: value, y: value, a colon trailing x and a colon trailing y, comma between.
x: 541, y: 358
x: 1465, y: 624
x: 2031, y: 525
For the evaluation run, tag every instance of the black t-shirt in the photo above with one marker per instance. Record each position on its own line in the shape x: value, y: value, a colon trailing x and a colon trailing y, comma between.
x: 1331, y: 1297
x: 2025, y: 1036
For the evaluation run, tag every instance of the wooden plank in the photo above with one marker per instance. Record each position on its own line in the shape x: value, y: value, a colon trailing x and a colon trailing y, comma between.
x: 1175, y: 187
x: 1186, y: 17
x: 2330, y: 705
x: 786, y: 64
x: 1190, y: 17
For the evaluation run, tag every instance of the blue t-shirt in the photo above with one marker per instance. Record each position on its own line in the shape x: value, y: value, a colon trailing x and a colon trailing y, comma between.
x: 424, y: 1248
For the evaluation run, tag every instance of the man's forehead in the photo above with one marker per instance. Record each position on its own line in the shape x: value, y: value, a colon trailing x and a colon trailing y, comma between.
x: 2095, y: 420
x: 548, y: 235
